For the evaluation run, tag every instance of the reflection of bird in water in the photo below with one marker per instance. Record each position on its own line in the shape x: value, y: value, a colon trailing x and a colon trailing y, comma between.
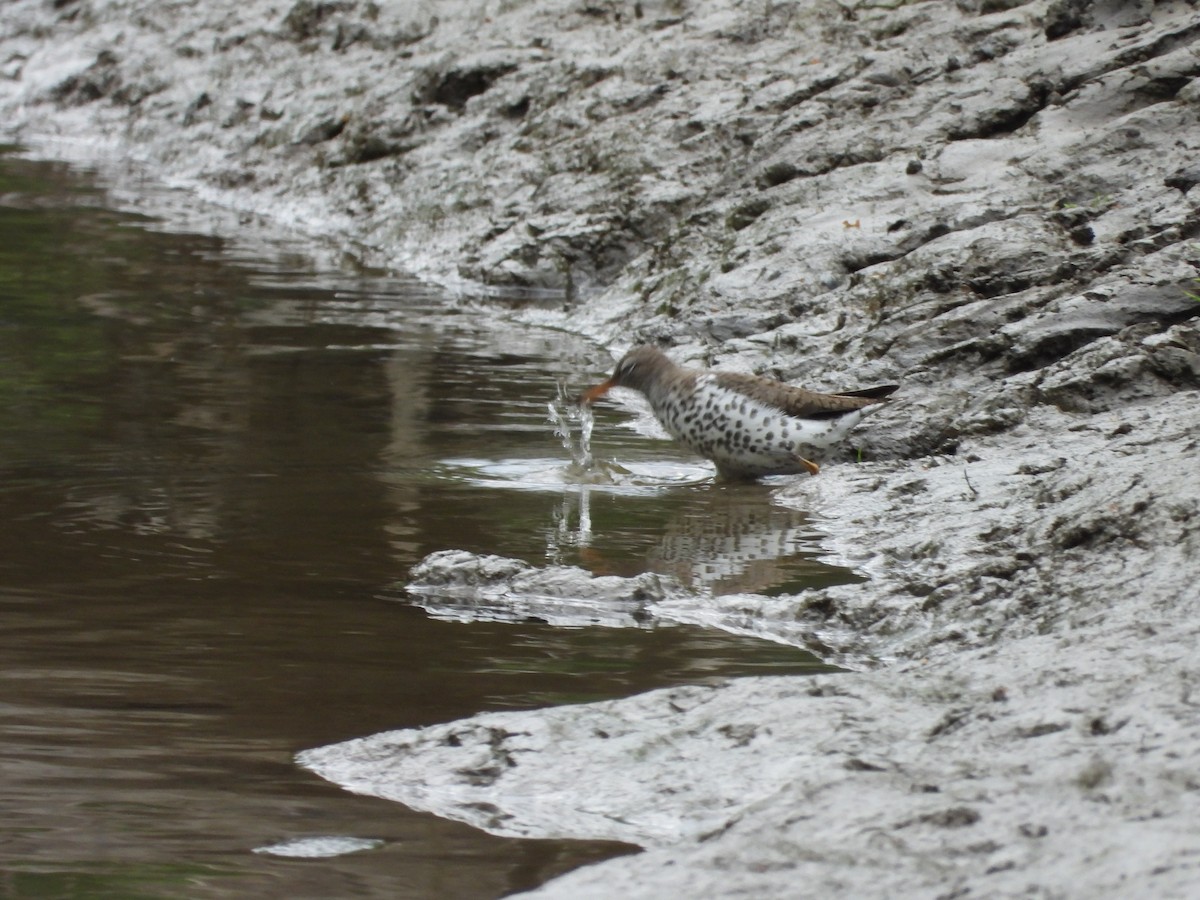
x: 738, y: 543
x: 747, y: 425
x: 724, y: 540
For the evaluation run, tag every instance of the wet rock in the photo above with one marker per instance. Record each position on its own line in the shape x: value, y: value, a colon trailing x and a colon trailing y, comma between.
x: 746, y: 213
x: 956, y: 817
x: 368, y: 140
x: 242, y: 111
x: 324, y: 130
x: 452, y: 85
x: 101, y: 79
x: 461, y: 586
x: 1184, y: 179
x: 346, y: 35
x: 364, y: 148
x: 1114, y: 372
x: 777, y: 173
x: 726, y: 328
x: 304, y: 19
x: 1064, y: 16
x: 192, y: 112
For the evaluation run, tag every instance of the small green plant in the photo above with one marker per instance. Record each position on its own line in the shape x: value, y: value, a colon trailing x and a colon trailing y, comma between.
x: 1195, y: 294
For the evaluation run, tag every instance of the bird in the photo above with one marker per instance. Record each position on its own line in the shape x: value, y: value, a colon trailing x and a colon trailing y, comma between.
x: 747, y: 425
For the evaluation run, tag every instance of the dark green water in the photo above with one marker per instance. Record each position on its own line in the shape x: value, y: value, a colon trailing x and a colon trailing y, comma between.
x: 217, y: 466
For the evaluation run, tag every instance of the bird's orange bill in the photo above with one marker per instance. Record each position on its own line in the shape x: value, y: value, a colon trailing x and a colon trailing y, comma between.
x: 591, y: 395
x: 812, y: 467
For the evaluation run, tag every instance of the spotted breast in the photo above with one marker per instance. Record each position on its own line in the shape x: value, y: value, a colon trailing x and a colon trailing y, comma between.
x: 747, y: 425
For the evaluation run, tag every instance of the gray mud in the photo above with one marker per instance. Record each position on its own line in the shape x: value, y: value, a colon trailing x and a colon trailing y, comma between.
x: 992, y: 202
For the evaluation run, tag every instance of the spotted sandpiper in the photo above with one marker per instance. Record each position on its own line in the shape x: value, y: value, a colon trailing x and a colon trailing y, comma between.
x: 748, y: 425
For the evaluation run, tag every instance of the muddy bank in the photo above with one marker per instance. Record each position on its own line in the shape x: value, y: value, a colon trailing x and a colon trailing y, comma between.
x: 993, y: 203
x: 1032, y: 723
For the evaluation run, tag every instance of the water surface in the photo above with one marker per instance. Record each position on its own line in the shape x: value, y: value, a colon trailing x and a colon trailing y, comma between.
x: 217, y: 465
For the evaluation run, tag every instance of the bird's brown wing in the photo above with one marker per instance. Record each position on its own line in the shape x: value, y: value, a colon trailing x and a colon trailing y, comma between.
x: 801, y: 403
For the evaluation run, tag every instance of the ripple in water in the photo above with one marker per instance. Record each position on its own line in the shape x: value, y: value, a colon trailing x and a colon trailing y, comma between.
x: 321, y: 847
x: 573, y: 427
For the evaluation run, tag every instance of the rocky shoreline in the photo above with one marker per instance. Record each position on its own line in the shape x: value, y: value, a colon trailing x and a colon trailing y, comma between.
x: 993, y: 202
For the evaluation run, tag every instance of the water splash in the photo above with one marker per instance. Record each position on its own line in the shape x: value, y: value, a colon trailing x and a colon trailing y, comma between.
x: 565, y: 414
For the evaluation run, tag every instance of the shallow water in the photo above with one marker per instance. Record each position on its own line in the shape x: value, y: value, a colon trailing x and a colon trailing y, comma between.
x: 217, y: 466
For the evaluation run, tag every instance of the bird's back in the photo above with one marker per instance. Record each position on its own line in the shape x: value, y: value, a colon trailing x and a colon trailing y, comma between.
x: 800, y: 402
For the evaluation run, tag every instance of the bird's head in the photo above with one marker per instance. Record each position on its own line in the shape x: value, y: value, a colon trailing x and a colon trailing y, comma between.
x: 637, y: 370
